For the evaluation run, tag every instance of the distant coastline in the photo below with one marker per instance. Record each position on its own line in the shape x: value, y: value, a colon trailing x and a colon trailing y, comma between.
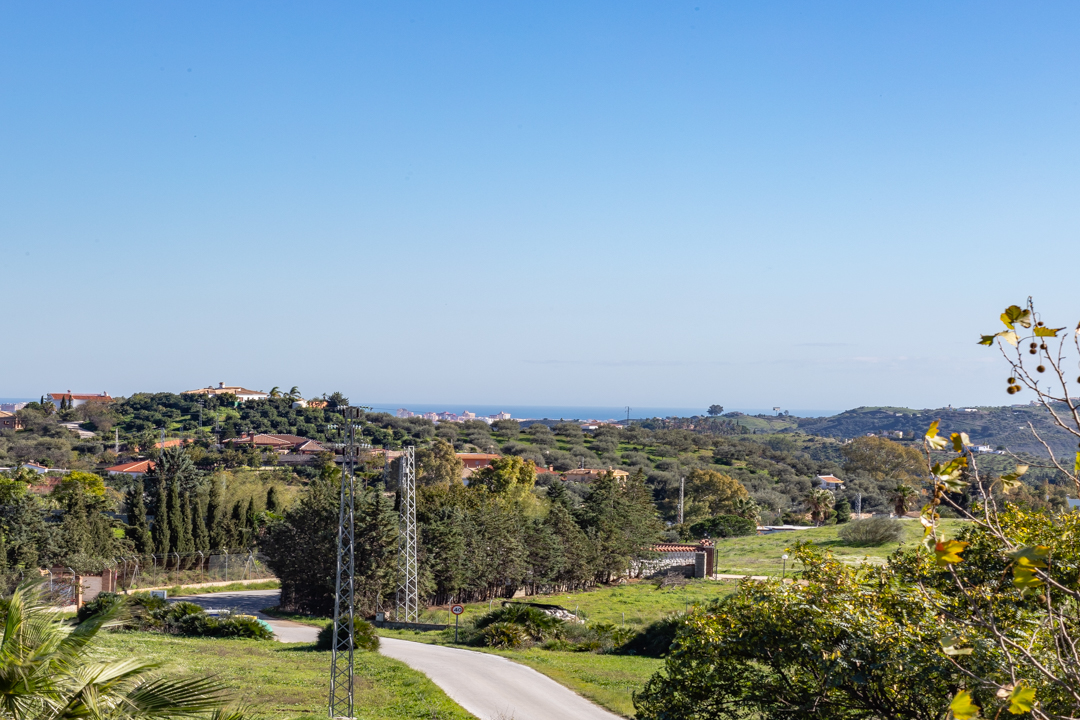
x: 584, y: 412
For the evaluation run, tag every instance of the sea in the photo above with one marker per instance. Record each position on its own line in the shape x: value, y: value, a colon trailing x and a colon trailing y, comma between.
x: 582, y: 412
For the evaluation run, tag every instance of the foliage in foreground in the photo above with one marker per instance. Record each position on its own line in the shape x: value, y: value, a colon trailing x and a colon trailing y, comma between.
x: 52, y: 669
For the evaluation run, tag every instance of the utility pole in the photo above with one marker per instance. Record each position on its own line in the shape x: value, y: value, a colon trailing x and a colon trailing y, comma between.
x: 682, y: 491
x: 627, y: 416
x: 341, y: 648
x: 116, y: 440
x: 858, y: 506
x: 408, y: 569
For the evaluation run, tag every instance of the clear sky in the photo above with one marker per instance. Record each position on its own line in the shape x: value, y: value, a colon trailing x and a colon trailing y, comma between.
x: 802, y: 204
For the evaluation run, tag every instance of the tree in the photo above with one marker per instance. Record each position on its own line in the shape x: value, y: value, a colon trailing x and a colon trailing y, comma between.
x: 161, y: 532
x: 216, y: 524
x: 200, y: 536
x: 621, y: 522
x: 843, y: 511
x: 709, y: 493
x: 272, y: 503
x: 882, y: 459
x: 506, y: 475
x: 177, y: 541
x: 715, y: 410
x: 139, y: 528
x: 902, y: 495
x: 820, y: 504
x: 440, y: 465
x: 293, y: 394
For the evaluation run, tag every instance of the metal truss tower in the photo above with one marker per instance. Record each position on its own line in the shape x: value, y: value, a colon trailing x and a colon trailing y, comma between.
x: 341, y: 649
x: 408, y: 570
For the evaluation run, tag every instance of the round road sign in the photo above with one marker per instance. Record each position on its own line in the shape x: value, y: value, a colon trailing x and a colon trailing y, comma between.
x: 457, y: 609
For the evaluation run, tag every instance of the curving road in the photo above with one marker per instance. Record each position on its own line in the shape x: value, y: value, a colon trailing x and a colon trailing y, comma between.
x: 488, y: 686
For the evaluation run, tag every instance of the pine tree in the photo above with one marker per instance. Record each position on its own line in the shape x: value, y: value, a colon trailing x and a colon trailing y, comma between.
x: 216, y: 522
x: 200, y: 538
x: 140, y: 529
x: 161, y: 532
x: 272, y: 504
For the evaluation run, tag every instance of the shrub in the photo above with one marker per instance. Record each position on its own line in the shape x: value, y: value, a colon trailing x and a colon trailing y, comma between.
x: 504, y: 635
x: 203, y: 625
x: 364, y: 636
x: 872, y: 531
x: 103, y: 602
x: 656, y: 639
x: 722, y: 526
x: 534, y: 622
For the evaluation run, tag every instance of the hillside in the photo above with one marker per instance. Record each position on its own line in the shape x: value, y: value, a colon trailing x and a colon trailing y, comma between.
x: 999, y: 427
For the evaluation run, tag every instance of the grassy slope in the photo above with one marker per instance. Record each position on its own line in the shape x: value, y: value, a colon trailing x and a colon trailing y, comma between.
x: 289, y: 681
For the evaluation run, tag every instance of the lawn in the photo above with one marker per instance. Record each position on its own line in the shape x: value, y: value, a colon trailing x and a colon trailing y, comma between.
x: 762, y: 554
x: 280, y: 681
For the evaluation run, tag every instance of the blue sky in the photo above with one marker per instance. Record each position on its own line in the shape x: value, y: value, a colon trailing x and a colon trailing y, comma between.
x: 810, y: 205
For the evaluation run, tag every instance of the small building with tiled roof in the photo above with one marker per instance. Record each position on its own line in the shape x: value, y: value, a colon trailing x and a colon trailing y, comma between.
x: 76, y: 399
x: 475, y: 461
x: 588, y: 475
x: 830, y: 482
x: 9, y: 421
x: 138, y: 468
x: 242, y: 394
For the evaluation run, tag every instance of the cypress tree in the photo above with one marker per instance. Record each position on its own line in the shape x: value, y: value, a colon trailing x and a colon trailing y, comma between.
x: 272, y: 503
x: 251, y: 520
x: 176, y: 519
x: 200, y: 538
x: 237, y: 537
x: 187, y: 542
x: 161, y: 532
x: 216, y: 524
x: 140, y: 529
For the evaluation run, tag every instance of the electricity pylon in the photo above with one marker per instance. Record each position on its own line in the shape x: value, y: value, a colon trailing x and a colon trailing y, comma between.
x: 341, y: 648
x: 407, y: 593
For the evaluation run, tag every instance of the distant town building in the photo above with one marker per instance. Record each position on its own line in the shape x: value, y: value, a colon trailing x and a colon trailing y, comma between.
x: 403, y: 413
x: 242, y: 394
x: 9, y: 421
x: 12, y: 407
x: 501, y: 416
x: 76, y: 399
x: 466, y: 415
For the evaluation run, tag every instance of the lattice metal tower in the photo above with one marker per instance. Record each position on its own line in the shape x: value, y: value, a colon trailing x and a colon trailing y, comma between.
x: 341, y: 649
x: 408, y: 570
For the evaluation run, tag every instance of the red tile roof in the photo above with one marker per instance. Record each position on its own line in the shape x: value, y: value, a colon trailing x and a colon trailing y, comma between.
x: 103, y: 397
x: 477, y: 456
x: 138, y: 466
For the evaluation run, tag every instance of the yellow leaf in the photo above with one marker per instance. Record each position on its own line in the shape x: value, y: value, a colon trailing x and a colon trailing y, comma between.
x: 1013, y: 314
x: 949, y: 646
x: 1032, y: 556
x: 1021, y: 699
x: 1024, y: 578
x: 947, y: 552
x: 962, y: 708
x: 1047, y: 332
x: 1011, y: 338
x: 932, y: 439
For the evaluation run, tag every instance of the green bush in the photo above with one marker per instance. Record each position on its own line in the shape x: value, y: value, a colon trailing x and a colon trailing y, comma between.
x: 534, y: 622
x: 504, y: 635
x: 364, y: 636
x: 656, y: 639
x: 872, y: 531
x: 722, y: 526
x: 103, y: 602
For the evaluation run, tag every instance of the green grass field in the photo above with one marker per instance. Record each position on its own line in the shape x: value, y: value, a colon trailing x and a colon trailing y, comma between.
x: 280, y: 681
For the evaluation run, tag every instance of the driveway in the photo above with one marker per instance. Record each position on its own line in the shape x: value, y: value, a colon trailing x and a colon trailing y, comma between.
x: 250, y: 602
x: 492, y: 687
x: 488, y: 686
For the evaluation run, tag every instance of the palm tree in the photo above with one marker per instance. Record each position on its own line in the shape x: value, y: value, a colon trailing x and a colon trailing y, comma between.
x: 746, y: 508
x: 293, y: 394
x: 275, y: 392
x: 820, y: 503
x: 52, y: 671
x: 902, y: 494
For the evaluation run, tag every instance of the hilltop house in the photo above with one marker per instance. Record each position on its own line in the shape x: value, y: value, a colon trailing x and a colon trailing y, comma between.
x: 242, y: 394
x: 76, y: 399
x: 829, y: 482
x: 134, y: 469
x: 283, y: 444
x: 9, y: 421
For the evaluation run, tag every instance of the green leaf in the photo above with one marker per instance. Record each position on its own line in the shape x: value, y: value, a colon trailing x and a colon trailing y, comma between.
x: 947, y: 552
x: 962, y: 708
x: 1076, y: 464
x: 987, y: 339
x: 937, y: 443
x: 949, y: 646
x: 1014, y: 314
x: 1032, y: 556
x: 1047, y: 332
x: 1011, y: 480
x: 1021, y: 699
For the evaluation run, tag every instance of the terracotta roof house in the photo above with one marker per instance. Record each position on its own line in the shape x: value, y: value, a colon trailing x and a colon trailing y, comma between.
x: 77, y: 399
x: 830, y: 482
x: 242, y: 394
x: 137, y: 468
x: 173, y: 442
x: 588, y: 475
x: 280, y: 443
x: 9, y: 421
x: 475, y: 461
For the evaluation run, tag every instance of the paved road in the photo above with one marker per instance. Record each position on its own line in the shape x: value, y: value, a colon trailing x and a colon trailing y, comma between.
x: 488, y: 686
x: 492, y: 687
x: 250, y: 602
